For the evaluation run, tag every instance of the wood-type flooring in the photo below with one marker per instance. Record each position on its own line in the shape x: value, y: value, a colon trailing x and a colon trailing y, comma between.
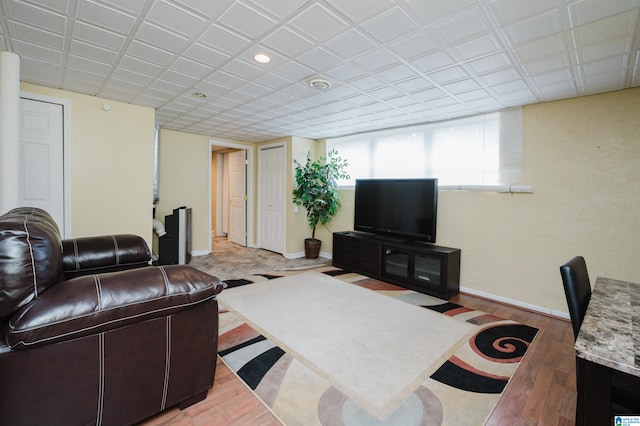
x: 542, y: 392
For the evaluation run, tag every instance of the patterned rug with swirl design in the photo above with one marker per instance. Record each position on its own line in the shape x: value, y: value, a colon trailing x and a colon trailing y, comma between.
x: 328, y: 347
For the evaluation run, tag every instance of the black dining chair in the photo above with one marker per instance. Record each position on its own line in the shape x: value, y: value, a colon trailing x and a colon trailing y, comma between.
x: 577, y: 289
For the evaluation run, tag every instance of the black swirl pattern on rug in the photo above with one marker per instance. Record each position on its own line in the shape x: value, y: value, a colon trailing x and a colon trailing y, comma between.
x: 462, y: 378
x: 504, y: 342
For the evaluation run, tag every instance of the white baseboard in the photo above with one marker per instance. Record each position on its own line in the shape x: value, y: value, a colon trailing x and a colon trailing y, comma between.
x: 200, y: 253
x: 517, y: 303
x: 301, y: 254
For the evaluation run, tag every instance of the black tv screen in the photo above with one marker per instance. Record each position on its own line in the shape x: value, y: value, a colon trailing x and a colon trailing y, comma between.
x: 400, y: 208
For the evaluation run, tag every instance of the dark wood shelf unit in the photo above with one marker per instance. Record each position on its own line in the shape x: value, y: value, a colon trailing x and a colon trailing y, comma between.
x: 423, y: 267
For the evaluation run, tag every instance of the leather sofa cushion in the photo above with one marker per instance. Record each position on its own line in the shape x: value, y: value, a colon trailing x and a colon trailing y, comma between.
x: 30, y: 257
x: 93, y: 255
x: 96, y: 303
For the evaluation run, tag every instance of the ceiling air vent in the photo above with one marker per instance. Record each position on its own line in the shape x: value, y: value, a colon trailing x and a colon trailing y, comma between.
x: 319, y: 83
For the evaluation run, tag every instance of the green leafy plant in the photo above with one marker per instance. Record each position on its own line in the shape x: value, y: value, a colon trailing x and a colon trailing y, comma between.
x: 317, y: 187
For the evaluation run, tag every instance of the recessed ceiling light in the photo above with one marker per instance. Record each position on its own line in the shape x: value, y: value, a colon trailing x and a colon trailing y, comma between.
x: 262, y: 58
x: 200, y: 95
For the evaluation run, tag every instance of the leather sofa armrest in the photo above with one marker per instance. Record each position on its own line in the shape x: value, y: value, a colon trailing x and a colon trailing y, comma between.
x: 108, y: 253
x: 97, y: 303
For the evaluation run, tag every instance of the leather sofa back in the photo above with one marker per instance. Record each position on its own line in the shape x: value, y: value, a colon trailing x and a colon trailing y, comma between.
x: 30, y: 257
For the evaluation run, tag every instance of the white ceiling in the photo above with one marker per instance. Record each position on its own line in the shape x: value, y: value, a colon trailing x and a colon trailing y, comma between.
x: 390, y: 62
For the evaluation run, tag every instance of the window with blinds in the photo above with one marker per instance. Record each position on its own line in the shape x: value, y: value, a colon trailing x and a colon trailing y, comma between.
x: 484, y: 150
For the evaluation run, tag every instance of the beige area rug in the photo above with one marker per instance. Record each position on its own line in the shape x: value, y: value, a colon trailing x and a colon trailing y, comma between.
x: 352, y: 350
x: 375, y: 349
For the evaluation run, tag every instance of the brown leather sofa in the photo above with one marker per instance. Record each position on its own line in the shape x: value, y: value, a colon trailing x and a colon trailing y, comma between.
x: 91, y: 334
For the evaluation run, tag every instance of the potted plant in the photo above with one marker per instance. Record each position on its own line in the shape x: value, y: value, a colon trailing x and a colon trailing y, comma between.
x: 317, y: 191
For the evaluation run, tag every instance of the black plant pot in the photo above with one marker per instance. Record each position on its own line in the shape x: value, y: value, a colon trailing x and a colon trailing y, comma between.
x: 312, y: 248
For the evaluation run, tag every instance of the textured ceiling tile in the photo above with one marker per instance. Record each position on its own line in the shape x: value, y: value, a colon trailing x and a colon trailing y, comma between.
x: 272, y: 81
x: 432, y: 11
x: 242, y: 69
x: 161, y: 38
x: 498, y: 77
x: 412, y: 46
x: 205, y: 55
x: 448, y: 75
x: 78, y: 76
x: 83, y: 85
x: 414, y: 85
x: 390, y: 25
x: 508, y: 11
x: 224, y: 40
x: 149, y: 53
x: 279, y: 8
x: 287, y: 41
x: 433, y: 62
x: 585, y: 11
x: 36, y: 36
x: 396, y: 74
x: 458, y: 28
x: 619, y: 27
x: 549, y: 64
x: 60, y: 6
x: 36, y: 17
x: 132, y: 76
x: 461, y: 86
x: 26, y: 49
x: 206, y: 8
x: 481, y: 46
x: 490, y: 63
x: 99, y: 36
x: 87, y: 64
x: 351, y: 43
x: 375, y: 61
x: 175, y: 18
x: 357, y: 11
x: 188, y: 67
x: 140, y: 66
x: 107, y: 17
x: 132, y: 6
x: 540, y: 48
x: 225, y: 79
x: 318, y: 23
x: 611, y: 47
x: 93, y: 52
x: 536, y: 27
x: 246, y: 20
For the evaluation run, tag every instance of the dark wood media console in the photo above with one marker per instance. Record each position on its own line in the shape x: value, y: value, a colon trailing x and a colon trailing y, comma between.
x: 418, y: 266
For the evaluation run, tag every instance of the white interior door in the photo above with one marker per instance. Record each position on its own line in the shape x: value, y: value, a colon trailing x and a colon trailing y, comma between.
x: 272, y: 198
x: 238, y: 197
x: 41, y: 180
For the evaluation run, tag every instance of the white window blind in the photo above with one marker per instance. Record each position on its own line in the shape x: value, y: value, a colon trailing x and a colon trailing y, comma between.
x: 476, y: 152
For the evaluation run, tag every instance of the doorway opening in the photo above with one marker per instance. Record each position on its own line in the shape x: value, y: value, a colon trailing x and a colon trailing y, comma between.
x: 230, y: 212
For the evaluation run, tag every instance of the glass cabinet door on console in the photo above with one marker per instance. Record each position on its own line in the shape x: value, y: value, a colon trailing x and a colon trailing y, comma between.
x: 428, y: 269
x: 396, y: 263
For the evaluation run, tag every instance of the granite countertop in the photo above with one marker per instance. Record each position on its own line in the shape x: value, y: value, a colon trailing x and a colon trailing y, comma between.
x: 610, y: 331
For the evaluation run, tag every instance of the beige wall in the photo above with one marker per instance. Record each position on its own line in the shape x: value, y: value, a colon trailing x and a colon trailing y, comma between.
x: 183, y: 180
x: 582, y: 157
x: 184, y: 161
x: 111, y: 165
x: 297, y: 224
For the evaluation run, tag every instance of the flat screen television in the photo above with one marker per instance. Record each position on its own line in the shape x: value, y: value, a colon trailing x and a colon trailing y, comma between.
x: 400, y: 209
